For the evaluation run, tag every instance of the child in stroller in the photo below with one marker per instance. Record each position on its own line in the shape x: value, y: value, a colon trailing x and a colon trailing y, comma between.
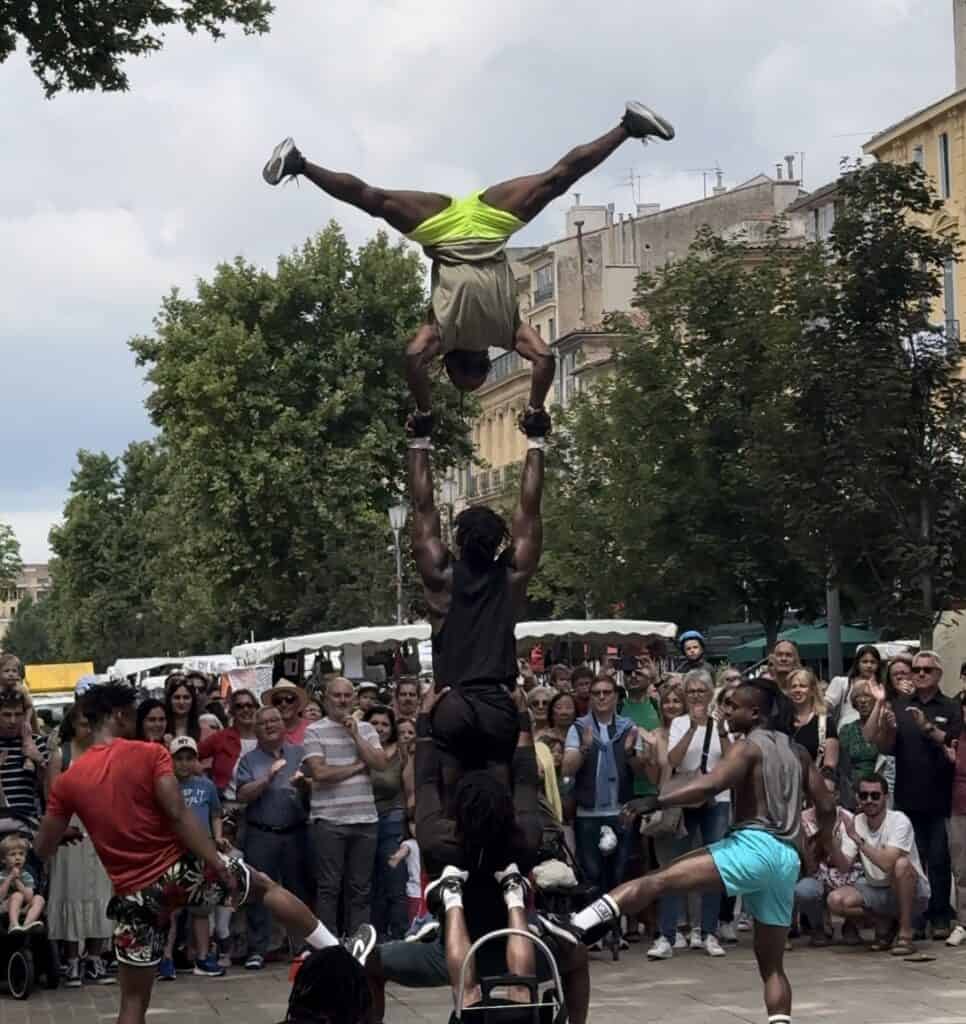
x: 18, y: 888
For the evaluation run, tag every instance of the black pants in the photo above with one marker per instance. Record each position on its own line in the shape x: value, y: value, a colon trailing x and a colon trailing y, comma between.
x: 932, y: 841
x: 283, y: 857
x: 345, y: 856
x: 476, y: 724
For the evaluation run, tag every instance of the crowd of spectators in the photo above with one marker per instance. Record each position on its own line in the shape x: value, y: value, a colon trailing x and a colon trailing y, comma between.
x: 316, y: 790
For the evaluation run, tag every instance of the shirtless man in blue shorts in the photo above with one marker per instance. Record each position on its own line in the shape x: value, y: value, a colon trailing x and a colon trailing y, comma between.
x: 758, y: 859
x: 473, y: 304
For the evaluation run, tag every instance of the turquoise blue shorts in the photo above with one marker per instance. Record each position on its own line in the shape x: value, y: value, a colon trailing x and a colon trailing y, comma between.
x: 760, y: 869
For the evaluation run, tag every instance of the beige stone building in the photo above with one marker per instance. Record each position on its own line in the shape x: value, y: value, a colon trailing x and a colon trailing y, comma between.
x: 33, y: 582
x: 568, y: 286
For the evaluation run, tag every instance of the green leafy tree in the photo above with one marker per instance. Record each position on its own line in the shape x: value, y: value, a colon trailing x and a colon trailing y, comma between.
x: 27, y: 634
x: 880, y: 404
x: 82, y: 45
x: 101, y: 602
x: 280, y: 401
x: 10, y: 562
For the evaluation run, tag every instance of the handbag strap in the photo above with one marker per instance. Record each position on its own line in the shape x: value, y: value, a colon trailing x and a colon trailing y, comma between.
x: 706, y: 748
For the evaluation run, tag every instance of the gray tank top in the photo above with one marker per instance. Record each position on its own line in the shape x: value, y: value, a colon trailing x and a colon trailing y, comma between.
x: 781, y: 773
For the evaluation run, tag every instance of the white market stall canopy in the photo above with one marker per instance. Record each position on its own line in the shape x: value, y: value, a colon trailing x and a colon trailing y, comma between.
x: 135, y: 666
x: 365, y: 636
x: 609, y: 631
x: 256, y: 653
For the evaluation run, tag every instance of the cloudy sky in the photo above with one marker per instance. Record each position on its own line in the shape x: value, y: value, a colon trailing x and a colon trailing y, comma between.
x: 110, y: 200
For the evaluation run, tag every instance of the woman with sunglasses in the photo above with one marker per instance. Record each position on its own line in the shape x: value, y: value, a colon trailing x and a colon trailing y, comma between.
x: 538, y: 702
x: 226, y: 747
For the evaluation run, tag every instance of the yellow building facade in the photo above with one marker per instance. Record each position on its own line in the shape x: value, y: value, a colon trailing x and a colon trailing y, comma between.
x: 935, y: 138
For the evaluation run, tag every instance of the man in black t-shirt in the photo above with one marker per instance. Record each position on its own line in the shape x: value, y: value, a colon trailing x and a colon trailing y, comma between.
x: 474, y: 600
x: 919, y: 731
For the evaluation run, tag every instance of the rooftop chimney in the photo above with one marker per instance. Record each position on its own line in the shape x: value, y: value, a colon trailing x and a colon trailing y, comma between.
x: 778, y: 171
x: 790, y: 160
x: 719, y: 188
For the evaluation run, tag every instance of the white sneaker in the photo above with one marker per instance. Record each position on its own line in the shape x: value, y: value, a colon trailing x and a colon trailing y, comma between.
x: 956, y: 936
x: 726, y: 931
x: 661, y: 950
x: 696, y: 941
x: 680, y: 942
x: 712, y: 947
x: 744, y: 923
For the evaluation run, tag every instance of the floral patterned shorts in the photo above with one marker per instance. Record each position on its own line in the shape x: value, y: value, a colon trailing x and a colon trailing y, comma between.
x: 141, y: 919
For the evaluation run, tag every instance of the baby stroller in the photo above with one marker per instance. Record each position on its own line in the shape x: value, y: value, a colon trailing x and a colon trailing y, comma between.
x: 567, y: 899
x: 26, y: 956
x: 546, y: 1004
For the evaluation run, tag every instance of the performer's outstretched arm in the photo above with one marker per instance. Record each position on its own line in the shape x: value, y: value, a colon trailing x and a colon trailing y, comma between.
x: 429, y: 551
x: 527, y: 530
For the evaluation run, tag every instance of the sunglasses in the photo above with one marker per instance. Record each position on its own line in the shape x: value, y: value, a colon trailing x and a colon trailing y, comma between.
x: 874, y: 797
x: 284, y: 700
x: 246, y: 706
x: 539, y: 703
x: 922, y: 670
x: 602, y: 693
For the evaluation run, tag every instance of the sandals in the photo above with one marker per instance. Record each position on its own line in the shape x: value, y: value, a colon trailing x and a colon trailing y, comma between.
x: 903, y: 947
x: 885, y: 941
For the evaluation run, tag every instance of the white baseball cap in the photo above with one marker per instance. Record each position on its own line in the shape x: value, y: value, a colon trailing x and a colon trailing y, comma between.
x: 180, y: 743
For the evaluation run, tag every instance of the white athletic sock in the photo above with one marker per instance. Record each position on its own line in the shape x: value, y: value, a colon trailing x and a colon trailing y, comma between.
x: 513, y: 897
x: 599, y: 912
x: 452, y: 898
x: 779, y: 1018
x: 321, y: 937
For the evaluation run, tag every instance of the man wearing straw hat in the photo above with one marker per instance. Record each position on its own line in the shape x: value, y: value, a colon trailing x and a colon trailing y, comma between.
x: 289, y: 699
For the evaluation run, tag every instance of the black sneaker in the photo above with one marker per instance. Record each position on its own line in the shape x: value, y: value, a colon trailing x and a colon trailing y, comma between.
x: 451, y: 880
x: 285, y: 162
x: 535, y: 422
x: 562, y: 927
x: 361, y: 943
x: 641, y: 121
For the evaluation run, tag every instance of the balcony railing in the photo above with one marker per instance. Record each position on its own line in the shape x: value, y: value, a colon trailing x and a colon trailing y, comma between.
x: 543, y: 293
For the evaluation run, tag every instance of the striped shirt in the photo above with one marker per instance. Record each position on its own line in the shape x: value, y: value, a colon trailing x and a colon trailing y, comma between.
x: 21, y: 785
x: 349, y: 802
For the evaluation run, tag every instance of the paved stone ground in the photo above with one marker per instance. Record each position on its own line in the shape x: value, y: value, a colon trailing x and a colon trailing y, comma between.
x: 837, y: 984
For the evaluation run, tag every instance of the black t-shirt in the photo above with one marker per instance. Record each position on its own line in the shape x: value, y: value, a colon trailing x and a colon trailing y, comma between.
x: 807, y: 735
x: 924, y: 775
x: 476, y: 642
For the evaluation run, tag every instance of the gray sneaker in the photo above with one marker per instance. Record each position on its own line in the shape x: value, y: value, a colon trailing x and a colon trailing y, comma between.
x: 641, y: 121
x: 286, y: 161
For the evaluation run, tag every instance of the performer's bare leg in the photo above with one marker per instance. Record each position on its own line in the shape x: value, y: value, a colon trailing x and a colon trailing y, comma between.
x: 403, y: 210
x: 525, y: 197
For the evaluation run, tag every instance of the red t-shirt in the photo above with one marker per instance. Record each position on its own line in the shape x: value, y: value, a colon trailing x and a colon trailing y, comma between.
x: 111, y: 790
x: 224, y: 748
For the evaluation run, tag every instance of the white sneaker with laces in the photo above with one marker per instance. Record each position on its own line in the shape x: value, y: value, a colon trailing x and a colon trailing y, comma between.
x: 956, y: 936
x: 661, y: 949
x: 696, y: 941
x: 680, y: 940
x: 712, y: 947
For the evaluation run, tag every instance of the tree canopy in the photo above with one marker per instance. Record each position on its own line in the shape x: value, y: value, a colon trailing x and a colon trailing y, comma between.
x: 83, y: 46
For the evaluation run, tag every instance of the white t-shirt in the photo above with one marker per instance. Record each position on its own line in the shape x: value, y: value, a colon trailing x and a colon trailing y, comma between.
x: 248, y: 744
x: 414, y: 886
x: 692, y: 759
x: 896, y: 831
x: 838, y: 694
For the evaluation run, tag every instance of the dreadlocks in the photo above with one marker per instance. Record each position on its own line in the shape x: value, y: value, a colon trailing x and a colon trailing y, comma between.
x: 485, y: 817
x: 479, y: 534
x: 330, y: 988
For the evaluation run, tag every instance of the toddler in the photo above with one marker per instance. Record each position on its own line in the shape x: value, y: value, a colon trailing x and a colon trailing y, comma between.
x: 18, y: 888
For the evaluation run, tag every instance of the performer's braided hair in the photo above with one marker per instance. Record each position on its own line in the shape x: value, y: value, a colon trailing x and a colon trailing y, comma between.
x: 479, y: 534
x: 330, y: 988
x: 485, y: 818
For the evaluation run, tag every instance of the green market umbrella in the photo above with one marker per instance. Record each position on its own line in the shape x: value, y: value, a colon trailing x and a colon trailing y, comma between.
x: 812, y: 643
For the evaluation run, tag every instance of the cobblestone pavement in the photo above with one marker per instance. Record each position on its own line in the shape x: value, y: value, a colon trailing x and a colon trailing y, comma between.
x: 840, y: 984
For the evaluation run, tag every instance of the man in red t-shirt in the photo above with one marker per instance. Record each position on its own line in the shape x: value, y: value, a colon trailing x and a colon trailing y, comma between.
x: 156, y: 854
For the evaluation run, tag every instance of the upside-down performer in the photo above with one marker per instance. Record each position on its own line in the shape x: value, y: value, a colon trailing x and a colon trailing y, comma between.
x: 473, y: 293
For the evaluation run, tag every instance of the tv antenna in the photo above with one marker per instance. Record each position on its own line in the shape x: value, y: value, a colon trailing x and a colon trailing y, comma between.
x: 705, y: 173
x: 633, y: 182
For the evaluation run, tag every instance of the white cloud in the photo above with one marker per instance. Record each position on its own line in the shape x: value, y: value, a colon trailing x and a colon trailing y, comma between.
x: 108, y: 201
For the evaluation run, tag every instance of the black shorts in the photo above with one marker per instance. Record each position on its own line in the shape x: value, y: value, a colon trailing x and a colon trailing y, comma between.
x: 478, y: 724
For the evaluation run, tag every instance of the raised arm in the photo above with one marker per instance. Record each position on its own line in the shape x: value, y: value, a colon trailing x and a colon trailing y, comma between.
x: 431, y: 555
x: 527, y: 529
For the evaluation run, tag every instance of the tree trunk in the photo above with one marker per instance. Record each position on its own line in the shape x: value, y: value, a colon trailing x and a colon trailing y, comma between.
x: 926, y: 580
x: 833, y: 618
